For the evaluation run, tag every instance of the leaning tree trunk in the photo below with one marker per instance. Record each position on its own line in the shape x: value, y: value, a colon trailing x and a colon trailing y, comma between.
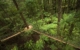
x: 78, y: 5
x: 14, y: 1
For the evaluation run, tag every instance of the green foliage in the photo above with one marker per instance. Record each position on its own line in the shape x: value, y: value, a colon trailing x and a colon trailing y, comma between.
x: 47, y: 14
x: 12, y: 11
x: 48, y: 26
x: 67, y: 20
x: 53, y: 32
x: 29, y: 45
x: 69, y: 48
x: 15, y: 48
x: 44, y: 38
x: 47, y: 19
x: 77, y: 19
x: 34, y: 46
x: 39, y: 44
x: 3, y: 5
x: 31, y: 8
x: 68, y: 17
x: 53, y: 47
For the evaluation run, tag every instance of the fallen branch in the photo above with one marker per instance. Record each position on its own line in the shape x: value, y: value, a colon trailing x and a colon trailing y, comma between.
x: 25, y: 29
x: 11, y: 36
x: 57, y: 39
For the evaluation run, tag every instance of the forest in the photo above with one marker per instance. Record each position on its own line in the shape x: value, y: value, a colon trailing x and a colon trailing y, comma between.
x: 39, y: 24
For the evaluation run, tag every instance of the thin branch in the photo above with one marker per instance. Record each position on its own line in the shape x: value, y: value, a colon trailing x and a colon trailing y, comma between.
x: 11, y: 36
x: 57, y: 39
x: 25, y: 29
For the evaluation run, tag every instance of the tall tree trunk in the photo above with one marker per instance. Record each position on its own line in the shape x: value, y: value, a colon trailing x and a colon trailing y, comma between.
x: 50, y: 7
x: 53, y: 6
x: 69, y: 5
x: 59, y: 15
x: 46, y: 2
x: 78, y: 5
x: 14, y: 1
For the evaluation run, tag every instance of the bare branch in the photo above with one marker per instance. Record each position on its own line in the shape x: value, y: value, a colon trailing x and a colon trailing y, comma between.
x: 25, y: 29
x: 52, y: 37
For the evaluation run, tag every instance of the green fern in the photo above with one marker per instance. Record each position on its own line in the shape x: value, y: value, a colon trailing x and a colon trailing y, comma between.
x: 48, y: 26
x: 39, y: 44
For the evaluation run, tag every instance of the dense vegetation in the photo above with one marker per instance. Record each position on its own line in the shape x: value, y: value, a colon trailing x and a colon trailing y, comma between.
x: 55, y: 24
